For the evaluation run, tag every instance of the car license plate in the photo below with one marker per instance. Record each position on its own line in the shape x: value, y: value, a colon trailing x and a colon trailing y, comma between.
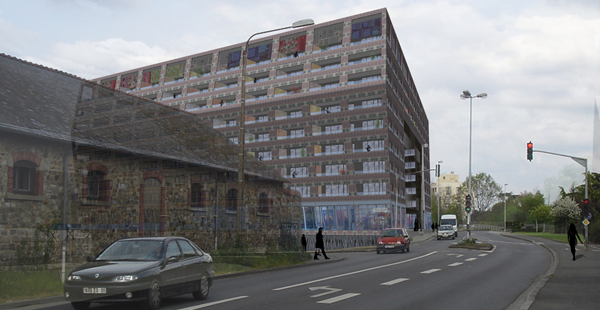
x: 94, y: 290
x: 389, y: 246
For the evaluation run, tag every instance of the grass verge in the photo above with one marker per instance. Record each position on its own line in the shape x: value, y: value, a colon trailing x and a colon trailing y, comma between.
x: 20, y: 285
x: 553, y: 236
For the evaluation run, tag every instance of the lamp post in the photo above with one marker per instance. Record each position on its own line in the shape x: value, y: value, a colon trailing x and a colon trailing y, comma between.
x: 505, y: 206
x: 438, y: 173
x: 241, y: 137
x: 467, y: 94
x: 422, y: 212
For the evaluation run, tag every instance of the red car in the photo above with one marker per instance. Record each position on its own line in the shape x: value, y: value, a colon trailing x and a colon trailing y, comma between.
x: 393, y: 240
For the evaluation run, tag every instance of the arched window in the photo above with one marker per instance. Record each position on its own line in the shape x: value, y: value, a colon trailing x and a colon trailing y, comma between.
x: 24, y: 178
x: 198, y: 196
x: 232, y: 200
x: 97, y: 186
x: 263, y: 203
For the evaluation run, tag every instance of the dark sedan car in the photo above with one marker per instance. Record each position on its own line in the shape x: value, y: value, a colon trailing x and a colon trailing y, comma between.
x: 393, y: 240
x: 141, y: 270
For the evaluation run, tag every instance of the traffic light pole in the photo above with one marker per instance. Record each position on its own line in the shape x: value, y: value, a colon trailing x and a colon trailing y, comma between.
x: 583, y: 162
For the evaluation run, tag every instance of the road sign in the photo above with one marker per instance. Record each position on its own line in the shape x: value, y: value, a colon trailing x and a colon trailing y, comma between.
x: 586, y: 222
x: 589, y: 217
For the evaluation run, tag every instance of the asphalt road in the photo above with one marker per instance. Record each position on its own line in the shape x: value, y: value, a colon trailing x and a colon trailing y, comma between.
x: 431, y: 276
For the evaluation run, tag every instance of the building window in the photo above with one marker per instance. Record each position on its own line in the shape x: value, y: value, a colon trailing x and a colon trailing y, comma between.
x: 374, y: 166
x: 334, y: 149
x: 297, y: 133
x: 336, y: 190
x: 264, y: 155
x: 374, y: 188
x: 299, y: 172
x: 97, y: 186
x: 263, y: 203
x: 335, y: 169
x: 24, y: 178
x: 232, y: 201
x: 198, y: 196
x: 303, y: 190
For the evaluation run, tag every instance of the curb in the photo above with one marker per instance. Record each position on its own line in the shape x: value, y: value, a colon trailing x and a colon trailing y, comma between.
x: 524, y: 301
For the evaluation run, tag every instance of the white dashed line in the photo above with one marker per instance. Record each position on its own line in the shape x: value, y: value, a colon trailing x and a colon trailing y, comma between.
x: 455, y: 264
x: 470, y: 259
x: 484, y: 254
x: 338, y: 298
x: 430, y: 271
x: 395, y: 281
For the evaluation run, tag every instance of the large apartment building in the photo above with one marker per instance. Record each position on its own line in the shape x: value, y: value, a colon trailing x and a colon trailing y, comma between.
x: 333, y: 107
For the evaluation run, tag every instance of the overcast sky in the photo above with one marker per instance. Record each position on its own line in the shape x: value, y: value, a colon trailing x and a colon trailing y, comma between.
x: 539, y: 62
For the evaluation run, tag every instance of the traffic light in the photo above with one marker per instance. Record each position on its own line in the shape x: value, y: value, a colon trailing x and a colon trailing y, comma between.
x: 586, y: 204
x: 529, y: 151
x: 468, y: 203
x: 437, y: 170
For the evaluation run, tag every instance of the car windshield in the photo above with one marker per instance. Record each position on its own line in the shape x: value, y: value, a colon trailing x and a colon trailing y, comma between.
x: 392, y: 233
x: 132, y: 250
x: 446, y: 227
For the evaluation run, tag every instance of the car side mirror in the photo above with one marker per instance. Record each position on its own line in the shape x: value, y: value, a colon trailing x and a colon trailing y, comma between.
x: 173, y: 259
x: 89, y: 258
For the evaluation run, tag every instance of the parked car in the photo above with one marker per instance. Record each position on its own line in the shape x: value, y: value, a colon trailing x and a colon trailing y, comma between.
x: 393, y: 240
x: 142, y: 270
x: 445, y: 231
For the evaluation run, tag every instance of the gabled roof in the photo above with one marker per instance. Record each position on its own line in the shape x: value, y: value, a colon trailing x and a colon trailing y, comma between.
x: 51, y: 104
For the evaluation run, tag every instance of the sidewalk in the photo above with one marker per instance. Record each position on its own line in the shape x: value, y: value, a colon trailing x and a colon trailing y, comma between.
x: 567, y: 284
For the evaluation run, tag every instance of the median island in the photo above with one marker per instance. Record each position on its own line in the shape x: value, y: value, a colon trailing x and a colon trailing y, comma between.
x: 472, y: 244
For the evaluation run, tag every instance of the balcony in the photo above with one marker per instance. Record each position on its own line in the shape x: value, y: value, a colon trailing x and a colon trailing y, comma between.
x: 411, y: 152
x: 363, y: 60
x: 365, y: 80
x: 410, y: 165
x: 371, y: 39
x: 333, y: 85
x: 411, y: 190
x: 329, y: 132
x: 329, y: 153
x: 289, y: 137
x: 411, y: 178
x: 374, y: 149
x: 411, y: 204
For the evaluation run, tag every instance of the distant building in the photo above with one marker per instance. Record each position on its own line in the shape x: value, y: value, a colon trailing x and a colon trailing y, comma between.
x: 332, y: 106
x: 448, y: 185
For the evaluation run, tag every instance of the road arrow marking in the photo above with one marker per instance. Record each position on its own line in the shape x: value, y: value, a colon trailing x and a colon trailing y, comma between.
x: 395, y: 281
x: 430, y: 271
x: 338, y: 298
x: 330, y: 289
x: 455, y: 264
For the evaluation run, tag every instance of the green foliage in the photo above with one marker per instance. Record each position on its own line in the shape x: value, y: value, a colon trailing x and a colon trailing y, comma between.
x: 36, y: 252
x: 565, y: 209
x: 486, y: 191
x: 468, y: 241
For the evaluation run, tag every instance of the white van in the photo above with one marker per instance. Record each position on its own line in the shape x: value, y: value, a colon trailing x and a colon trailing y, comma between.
x: 450, y: 219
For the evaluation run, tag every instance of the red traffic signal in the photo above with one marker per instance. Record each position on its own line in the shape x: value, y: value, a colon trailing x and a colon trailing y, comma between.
x: 529, y: 151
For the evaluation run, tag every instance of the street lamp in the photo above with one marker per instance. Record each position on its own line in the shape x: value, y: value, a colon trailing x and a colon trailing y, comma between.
x: 438, y: 173
x: 467, y: 94
x: 241, y: 137
x: 422, y: 212
x: 505, y: 206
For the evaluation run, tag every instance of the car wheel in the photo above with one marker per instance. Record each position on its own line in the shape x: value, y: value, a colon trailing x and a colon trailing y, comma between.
x: 438, y: 238
x: 80, y: 305
x: 377, y: 251
x: 202, y: 292
x: 154, y: 296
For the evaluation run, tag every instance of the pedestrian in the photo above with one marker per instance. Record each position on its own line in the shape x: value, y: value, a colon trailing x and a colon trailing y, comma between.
x: 303, y: 242
x: 416, y: 224
x: 319, y: 244
x: 571, y: 234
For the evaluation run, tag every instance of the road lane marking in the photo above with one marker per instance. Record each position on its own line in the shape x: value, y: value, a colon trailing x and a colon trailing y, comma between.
x: 353, y: 272
x: 430, y: 271
x: 330, y: 289
x: 457, y: 255
x: 395, y: 281
x: 484, y: 254
x: 338, y: 298
x: 213, y: 303
x: 455, y: 264
x: 470, y: 259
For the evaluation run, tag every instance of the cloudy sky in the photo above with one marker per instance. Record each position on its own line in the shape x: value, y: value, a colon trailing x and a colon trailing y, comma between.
x: 539, y: 62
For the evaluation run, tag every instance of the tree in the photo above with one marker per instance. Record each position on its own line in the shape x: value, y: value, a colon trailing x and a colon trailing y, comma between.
x: 565, y: 209
x: 541, y: 213
x: 486, y: 191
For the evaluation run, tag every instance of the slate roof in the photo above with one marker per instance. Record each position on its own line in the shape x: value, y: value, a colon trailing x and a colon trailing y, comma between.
x: 52, y: 104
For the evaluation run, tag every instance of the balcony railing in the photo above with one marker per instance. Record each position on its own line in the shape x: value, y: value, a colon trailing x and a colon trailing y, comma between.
x: 320, y: 133
x: 329, y: 153
x: 370, y: 193
x: 334, y: 85
x: 365, y: 80
x: 366, y: 40
x: 369, y: 171
x: 367, y: 59
x: 374, y: 149
x: 333, y: 194
x: 365, y: 106
x: 365, y: 128
x: 326, y: 68
x: 288, y: 116
x: 291, y: 56
x: 289, y: 137
x: 291, y: 156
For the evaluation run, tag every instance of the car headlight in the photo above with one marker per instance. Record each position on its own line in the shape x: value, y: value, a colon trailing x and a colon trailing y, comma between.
x: 380, y: 242
x: 399, y: 242
x: 73, y: 278
x: 127, y: 278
